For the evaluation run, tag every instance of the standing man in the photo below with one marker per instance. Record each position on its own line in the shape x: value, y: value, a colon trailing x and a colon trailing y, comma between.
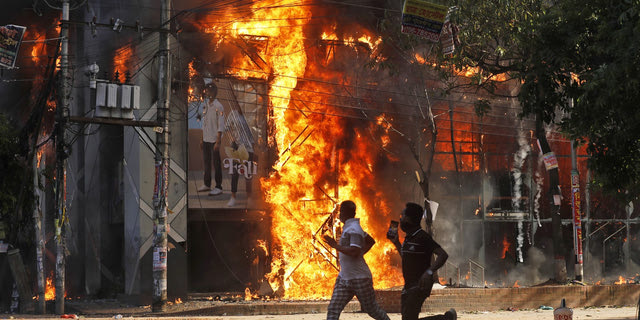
x: 354, y: 277
x: 417, y: 270
x: 212, y: 128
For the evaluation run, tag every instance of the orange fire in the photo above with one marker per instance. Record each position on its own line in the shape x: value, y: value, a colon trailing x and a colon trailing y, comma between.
x: 467, y: 72
x: 263, y: 245
x: 192, y: 73
x: 49, y: 289
x: 505, y: 246
x: 39, y: 157
x: 465, y: 143
x: 621, y: 280
x: 312, y: 173
x: 121, y: 60
x: 51, y: 105
x: 247, y: 294
x: 516, y: 285
x: 38, y: 48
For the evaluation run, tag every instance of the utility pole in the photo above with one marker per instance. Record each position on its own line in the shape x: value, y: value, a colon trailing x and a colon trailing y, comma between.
x: 575, y: 208
x: 62, y: 113
x: 160, y: 201
x: 38, y: 226
x: 551, y: 165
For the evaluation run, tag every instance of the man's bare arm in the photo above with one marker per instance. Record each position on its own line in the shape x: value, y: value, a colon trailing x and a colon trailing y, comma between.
x: 350, y: 250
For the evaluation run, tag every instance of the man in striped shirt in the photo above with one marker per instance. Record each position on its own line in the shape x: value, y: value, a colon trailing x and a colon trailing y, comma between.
x: 354, y: 277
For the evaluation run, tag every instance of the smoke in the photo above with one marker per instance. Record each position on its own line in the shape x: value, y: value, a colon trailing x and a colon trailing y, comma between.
x: 446, y: 230
x: 534, y: 271
x: 516, y: 172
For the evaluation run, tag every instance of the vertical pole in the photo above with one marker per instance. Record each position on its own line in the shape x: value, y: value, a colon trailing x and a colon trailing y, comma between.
x: 458, y: 184
x: 38, y: 229
x: 587, y: 214
x: 551, y: 165
x: 483, y: 201
x: 625, y: 246
x: 62, y: 114
x: 575, y: 207
x: 160, y: 200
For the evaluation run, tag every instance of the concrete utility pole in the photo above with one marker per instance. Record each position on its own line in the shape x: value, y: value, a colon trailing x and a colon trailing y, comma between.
x: 38, y: 226
x: 575, y: 208
x: 160, y: 200
x: 62, y: 113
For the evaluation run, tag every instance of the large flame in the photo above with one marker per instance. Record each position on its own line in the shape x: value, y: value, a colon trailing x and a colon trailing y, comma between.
x: 323, y: 159
x: 121, y: 60
x: 49, y: 289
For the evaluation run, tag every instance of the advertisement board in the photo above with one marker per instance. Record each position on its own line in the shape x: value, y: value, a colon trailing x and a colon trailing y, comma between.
x: 10, y: 40
x: 237, y: 163
x: 424, y: 19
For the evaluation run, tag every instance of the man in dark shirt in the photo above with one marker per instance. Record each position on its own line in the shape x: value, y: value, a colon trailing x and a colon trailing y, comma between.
x: 417, y: 270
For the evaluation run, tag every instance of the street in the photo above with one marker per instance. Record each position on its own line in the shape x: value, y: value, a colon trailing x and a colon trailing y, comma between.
x: 602, y: 313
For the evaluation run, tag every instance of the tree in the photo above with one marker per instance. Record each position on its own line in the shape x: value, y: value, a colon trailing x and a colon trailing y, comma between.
x: 15, y: 211
x: 585, y: 52
x: 542, y: 44
x: 503, y: 37
x: 605, y: 47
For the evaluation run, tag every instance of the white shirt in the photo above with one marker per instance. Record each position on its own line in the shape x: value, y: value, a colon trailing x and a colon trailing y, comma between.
x: 353, y: 267
x: 212, y: 120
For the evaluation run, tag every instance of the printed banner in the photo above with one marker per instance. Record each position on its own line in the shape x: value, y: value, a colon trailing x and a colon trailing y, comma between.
x: 550, y: 161
x: 10, y: 40
x: 449, y: 36
x: 575, y: 208
x: 226, y: 174
x: 159, y: 259
x: 424, y: 19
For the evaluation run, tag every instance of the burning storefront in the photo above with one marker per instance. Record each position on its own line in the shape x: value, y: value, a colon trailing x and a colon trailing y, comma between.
x: 342, y: 126
x: 320, y: 106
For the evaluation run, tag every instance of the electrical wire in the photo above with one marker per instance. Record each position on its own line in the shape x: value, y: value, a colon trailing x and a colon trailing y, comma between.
x: 60, y: 8
x: 52, y: 7
x: 382, y: 111
x: 316, y: 80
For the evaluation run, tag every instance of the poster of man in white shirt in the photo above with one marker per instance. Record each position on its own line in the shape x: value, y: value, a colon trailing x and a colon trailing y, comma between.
x: 212, y: 129
x: 226, y: 119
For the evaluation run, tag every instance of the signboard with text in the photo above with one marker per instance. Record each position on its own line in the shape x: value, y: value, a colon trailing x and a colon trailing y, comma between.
x: 10, y: 39
x: 424, y: 19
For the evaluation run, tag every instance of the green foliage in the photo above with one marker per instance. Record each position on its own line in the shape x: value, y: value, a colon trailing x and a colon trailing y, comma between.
x: 541, y: 44
x: 17, y: 222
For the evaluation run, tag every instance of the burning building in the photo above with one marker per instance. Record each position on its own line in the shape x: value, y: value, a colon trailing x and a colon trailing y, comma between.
x: 320, y: 107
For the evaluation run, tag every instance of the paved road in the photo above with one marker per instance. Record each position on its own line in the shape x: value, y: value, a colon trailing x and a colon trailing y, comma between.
x: 612, y: 313
x: 626, y: 313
